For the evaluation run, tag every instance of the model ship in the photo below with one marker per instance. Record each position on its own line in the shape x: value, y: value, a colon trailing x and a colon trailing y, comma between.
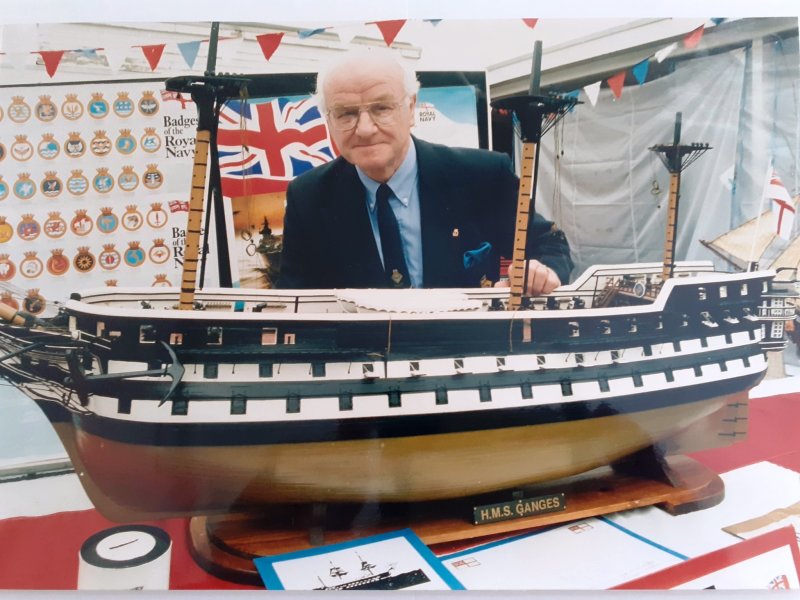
x: 369, y: 580
x: 194, y: 402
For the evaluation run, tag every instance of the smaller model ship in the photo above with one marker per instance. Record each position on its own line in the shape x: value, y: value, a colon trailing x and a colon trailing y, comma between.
x: 369, y: 580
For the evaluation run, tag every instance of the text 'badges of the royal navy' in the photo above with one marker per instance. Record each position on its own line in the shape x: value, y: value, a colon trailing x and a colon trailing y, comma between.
x: 107, y: 222
x: 31, y: 266
x: 24, y: 187
x: 128, y: 180
x: 84, y: 260
x: 134, y: 255
x: 150, y: 140
x: 148, y: 105
x: 82, y: 223
x: 72, y: 108
x: 21, y: 150
x: 19, y: 111
x: 103, y: 182
x: 7, y: 268
x: 132, y: 219
x: 45, y: 110
x: 54, y: 227
x: 74, y: 146
x: 57, y: 264
x: 123, y: 105
x: 48, y: 148
x: 98, y: 106
x: 125, y: 142
x: 51, y: 185
x: 77, y: 183
x: 109, y: 258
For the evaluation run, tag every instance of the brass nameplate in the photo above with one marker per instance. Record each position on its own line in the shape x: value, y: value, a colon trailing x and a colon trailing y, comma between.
x: 518, y: 509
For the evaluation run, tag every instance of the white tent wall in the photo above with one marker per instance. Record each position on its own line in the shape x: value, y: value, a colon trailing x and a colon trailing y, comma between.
x: 598, y: 177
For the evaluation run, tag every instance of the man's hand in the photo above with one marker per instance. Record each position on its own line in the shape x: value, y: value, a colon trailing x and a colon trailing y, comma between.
x: 541, y: 279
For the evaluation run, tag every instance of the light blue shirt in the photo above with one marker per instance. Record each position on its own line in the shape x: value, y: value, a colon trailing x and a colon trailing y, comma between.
x: 405, y: 204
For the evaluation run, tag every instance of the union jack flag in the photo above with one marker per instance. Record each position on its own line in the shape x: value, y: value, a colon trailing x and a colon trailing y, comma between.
x: 263, y: 145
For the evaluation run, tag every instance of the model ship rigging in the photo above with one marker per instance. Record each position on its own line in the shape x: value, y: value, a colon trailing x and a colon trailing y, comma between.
x: 369, y: 580
x: 224, y: 399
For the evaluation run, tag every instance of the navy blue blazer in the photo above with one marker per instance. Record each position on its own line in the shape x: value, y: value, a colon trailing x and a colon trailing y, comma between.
x: 468, y: 203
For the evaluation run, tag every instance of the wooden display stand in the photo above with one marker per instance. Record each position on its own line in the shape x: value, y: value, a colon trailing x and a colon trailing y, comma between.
x: 226, y: 545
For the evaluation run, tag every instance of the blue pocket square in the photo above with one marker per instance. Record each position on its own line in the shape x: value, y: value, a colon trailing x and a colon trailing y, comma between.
x: 473, y: 257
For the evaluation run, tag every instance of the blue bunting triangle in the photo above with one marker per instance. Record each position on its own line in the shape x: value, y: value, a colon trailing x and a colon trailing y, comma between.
x: 640, y: 70
x: 307, y: 33
x: 189, y: 51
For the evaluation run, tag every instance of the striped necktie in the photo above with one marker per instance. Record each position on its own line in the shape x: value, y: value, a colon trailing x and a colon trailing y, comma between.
x: 394, y: 263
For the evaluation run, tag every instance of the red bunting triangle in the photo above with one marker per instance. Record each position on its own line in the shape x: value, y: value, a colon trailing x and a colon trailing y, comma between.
x: 153, y: 54
x: 51, y: 58
x: 616, y: 82
x: 390, y: 29
x: 269, y: 42
x: 530, y: 22
x: 691, y: 40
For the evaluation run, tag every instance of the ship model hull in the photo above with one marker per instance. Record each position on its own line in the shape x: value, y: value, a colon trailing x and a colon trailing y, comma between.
x: 280, y: 397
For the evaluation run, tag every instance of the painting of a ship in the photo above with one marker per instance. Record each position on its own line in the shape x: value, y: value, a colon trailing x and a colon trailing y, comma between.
x: 367, y: 579
x: 200, y: 401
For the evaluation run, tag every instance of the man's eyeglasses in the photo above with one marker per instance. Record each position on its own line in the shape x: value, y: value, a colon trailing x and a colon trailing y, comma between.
x: 345, y: 118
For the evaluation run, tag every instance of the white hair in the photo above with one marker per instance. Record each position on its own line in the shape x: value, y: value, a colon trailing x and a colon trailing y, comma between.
x: 355, y: 55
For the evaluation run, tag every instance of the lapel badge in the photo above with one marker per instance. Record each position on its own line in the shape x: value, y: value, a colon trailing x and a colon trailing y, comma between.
x: 456, y: 232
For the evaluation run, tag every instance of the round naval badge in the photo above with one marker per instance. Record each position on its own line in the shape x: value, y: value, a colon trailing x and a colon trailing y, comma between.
x: 2, y: 152
x: 57, y: 264
x: 148, y: 105
x: 159, y: 253
x: 74, y: 147
x: 24, y: 187
x: 77, y: 184
x: 128, y: 180
x: 34, y: 302
x: 48, y: 148
x: 84, y: 260
x: 125, y: 557
x: 157, y: 217
x: 7, y: 268
x: 109, y: 258
x: 161, y: 280
x: 107, y: 222
x: 150, y: 140
x: 18, y: 110
x: 51, y: 185
x: 28, y: 228
x: 132, y: 219
x: 103, y: 182
x: 1, y: 113
x: 21, y: 149
x: 100, y: 144
x: 153, y: 178
x: 72, y: 108
x: 45, y: 110
x: 54, y: 227
x: 125, y: 142
x: 81, y: 223
x: 98, y: 106
x: 6, y: 230
x: 31, y: 266
x: 123, y: 105
x: 3, y: 189
x: 134, y: 255
x: 7, y: 299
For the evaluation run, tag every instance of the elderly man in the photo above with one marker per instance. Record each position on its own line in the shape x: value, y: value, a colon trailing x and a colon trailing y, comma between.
x: 395, y: 211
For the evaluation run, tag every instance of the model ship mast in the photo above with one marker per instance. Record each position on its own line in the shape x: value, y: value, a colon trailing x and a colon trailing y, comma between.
x: 537, y: 114
x: 676, y: 158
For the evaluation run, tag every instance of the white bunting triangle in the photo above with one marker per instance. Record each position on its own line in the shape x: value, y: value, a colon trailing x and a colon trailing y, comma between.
x: 592, y: 91
x: 116, y: 56
x: 666, y: 51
